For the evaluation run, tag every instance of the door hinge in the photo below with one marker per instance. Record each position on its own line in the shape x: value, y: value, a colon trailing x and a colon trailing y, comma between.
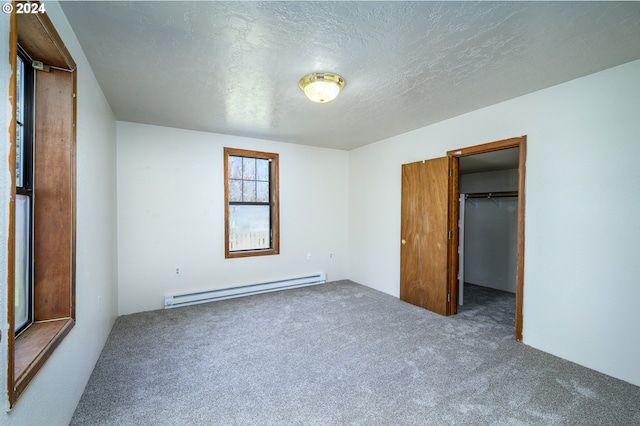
x: 448, y: 297
x: 449, y: 234
x: 450, y: 172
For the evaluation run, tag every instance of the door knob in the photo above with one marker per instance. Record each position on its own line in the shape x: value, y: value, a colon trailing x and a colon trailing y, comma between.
x: 404, y: 242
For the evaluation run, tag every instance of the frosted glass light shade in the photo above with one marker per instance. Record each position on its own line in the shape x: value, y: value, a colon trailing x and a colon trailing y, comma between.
x: 321, y: 87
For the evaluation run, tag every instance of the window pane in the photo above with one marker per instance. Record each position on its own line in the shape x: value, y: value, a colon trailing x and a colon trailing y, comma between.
x: 235, y: 167
x: 23, y: 213
x: 19, y: 123
x: 19, y: 91
x: 249, y: 191
x: 249, y: 227
x: 262, y: 192
x: 262, y: 169
x: 248, y: 168
x: 235, y: 190
x: 19, y: 156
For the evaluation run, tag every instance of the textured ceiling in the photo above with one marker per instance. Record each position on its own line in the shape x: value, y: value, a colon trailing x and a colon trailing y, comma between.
x: 233, y: 67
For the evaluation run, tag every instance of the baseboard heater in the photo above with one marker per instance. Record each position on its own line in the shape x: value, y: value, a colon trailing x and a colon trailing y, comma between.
x: 176, y: 301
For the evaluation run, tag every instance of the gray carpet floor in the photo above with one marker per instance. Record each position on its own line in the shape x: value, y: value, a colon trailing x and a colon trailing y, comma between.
x: 341, y: 354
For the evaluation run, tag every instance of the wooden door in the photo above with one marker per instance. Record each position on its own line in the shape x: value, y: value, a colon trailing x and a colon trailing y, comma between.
x: 424, y: 233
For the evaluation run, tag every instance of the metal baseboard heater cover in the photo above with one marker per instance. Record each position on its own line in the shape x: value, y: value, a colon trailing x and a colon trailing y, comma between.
x: 175, y: 301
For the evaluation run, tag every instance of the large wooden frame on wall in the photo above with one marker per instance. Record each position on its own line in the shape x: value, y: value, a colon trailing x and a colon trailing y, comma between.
x: 54, y: 194
x: 521, y: 143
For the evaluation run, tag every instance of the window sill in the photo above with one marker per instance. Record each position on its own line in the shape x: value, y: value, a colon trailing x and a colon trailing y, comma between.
x: 250, y: 253
x: 33, y: 347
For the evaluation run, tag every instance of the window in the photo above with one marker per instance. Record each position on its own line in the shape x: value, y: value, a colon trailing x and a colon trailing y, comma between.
x: 251, y: 203
x: 41, y: 247
x: 24, y: 192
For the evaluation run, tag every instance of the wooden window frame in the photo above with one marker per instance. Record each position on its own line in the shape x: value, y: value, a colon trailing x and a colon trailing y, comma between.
x: 54, y: 310
x: 274, y: 202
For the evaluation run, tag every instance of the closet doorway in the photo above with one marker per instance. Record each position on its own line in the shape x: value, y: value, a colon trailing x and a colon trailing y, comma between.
x: 429, y: 229
x: 488, y: 222
x: 490, y: 207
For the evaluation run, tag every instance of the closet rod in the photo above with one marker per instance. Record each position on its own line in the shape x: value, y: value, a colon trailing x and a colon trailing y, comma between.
x: 491, y: 194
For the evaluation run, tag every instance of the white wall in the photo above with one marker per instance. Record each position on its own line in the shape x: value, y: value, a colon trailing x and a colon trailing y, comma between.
x: 171, y: 213
x: 496, y: 181
x: 491, y: 230
x: 582, y: 201
x: 52, y: 396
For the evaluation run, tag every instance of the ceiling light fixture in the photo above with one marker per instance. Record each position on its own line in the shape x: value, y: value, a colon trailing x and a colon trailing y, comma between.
x: 321, y: 87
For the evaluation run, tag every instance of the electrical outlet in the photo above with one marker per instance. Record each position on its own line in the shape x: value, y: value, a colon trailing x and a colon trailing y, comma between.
x: 177, y: 271
x: 330, y: 255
